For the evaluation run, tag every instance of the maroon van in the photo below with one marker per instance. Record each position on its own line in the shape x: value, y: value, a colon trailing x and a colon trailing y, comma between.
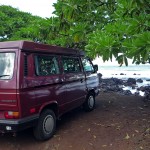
x: 39, y: 83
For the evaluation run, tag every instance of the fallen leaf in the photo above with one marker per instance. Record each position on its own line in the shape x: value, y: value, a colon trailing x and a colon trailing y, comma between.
x: 94, y: 136
x: 112, y: 125
x: 89, y: 129
x: 141, y: 108
x: 110, y: 102
x: 91, y: 144
x: 104, y: 145
x: 136, y: 131
x: 127, y: 136
x: 141, y: 147
x: 135, y: 121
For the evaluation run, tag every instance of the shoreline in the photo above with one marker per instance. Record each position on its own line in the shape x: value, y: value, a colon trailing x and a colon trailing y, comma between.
x: 128, y: 86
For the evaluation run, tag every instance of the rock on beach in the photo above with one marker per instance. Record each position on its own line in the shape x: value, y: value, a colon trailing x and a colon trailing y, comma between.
x: 117, y: 85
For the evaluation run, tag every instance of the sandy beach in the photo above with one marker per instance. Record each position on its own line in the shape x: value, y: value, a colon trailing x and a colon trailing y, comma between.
x: 118, y: 123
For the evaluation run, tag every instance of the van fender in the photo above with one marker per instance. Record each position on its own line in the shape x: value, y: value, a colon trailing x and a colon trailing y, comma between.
x: 52, y: 104
x: 90, y: 90
x: 95, y: 91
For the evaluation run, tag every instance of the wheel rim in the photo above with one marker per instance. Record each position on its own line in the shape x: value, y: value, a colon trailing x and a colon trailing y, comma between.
x: 48, y: 124
x: 91, y: 101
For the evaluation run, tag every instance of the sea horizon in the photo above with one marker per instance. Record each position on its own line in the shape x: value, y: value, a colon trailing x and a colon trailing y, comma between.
x: 123, y: 72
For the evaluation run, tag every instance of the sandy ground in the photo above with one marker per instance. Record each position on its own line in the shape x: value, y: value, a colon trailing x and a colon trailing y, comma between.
x: 118, y: 123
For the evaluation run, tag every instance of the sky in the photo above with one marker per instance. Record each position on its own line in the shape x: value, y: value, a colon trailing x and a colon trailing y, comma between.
x: 42, y: 8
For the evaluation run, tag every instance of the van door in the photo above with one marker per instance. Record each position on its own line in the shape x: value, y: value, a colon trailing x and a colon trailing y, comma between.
x: 74, y: 80
x: 8, y: 74
x: 48, y: 81
x: 92, y: 81
x: 43, y: 83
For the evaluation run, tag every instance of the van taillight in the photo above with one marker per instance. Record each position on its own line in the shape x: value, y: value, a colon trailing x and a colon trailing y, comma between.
x: 11, y: 115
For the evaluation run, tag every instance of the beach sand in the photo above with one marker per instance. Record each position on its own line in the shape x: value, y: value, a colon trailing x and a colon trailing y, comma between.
x: 118, y: 123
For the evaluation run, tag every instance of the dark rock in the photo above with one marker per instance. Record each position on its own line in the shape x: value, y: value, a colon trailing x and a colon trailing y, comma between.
x: 139, y: 80
x: 127, y: 92
x: 118, y: 81
x: 121, y: 73
x: 148, y: 80
x: 142, y: 88
x: 133, y: 87
x: 131, y: 81
x: 116, y: 85
x: 99, y: 76
x: 111, y: 84
x: 134, y: 74
x: 147, y: 88
x: 136, y: 93
x: 147, y: 93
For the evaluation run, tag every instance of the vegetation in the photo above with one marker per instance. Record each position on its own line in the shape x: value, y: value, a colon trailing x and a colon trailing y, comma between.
x: 16, y: 25
x: 107, y: 28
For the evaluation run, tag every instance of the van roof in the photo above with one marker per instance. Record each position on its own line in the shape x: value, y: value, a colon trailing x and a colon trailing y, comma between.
x: 38, y: 47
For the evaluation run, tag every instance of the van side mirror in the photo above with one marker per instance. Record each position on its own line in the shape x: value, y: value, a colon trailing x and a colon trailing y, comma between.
x: 95, y: 68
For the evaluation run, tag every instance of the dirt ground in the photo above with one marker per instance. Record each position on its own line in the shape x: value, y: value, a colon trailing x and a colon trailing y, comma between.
x: 118, y: 123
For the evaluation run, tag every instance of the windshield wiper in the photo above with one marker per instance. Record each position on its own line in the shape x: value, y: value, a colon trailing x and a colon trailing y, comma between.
x: 4, y: 75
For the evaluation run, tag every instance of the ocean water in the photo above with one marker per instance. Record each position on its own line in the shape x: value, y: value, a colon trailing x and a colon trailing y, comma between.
x: 125, y: 72
x: 132, y: 71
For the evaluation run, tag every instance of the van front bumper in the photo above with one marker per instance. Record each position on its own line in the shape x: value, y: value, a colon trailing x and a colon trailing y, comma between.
x: 18, y: 125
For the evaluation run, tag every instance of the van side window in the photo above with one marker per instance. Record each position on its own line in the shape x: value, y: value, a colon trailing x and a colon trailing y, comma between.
x: 46, y: 65
x: 71, y: 65
x: 87, y: 65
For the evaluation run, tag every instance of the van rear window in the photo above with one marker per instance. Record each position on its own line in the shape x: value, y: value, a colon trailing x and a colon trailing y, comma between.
x: 6, y: 65
x: 46, y: 65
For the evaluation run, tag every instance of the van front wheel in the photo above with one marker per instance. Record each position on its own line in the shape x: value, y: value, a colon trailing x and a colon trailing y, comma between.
x: 46, y: 125
x: 89, y: 104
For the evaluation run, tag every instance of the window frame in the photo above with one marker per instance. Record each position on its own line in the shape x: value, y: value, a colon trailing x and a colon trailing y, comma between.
x: 12, y: 75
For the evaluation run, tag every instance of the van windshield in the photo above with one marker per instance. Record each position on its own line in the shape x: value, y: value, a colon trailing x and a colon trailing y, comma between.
x: 6, y: 65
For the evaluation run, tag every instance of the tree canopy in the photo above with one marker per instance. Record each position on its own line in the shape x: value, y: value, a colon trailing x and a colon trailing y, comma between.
x: 107, y: 28
x: 17, y: 25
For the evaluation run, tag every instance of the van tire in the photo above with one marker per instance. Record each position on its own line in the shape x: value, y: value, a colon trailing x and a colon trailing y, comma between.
x: 46, y: 125
x: 89, y: 104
